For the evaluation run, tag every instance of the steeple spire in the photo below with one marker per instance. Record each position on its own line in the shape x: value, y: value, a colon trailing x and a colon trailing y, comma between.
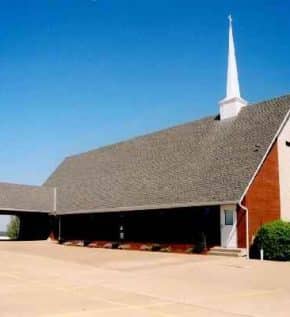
x: 233, y: 87
x: 232, y: 104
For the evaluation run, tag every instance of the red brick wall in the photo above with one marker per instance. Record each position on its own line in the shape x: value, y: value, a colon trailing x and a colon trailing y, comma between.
x: 262, y: 198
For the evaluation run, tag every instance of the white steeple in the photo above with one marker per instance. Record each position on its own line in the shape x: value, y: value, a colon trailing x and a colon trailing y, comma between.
x: 232, y: 104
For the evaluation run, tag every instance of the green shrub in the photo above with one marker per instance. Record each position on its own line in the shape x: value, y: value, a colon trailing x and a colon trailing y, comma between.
x: 274, y: 239
x: 13, y: 227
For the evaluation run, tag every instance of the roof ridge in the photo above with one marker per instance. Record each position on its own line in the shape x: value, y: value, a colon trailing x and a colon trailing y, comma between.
x: 132, y: 139
x: 277, y: 98
x: 168, y: 128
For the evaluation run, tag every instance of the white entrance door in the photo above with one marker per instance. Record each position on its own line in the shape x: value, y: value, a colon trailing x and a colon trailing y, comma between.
x: 228, y: 226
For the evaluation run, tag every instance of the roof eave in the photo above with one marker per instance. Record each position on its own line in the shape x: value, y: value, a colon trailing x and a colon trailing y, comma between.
x: 147, y: 207
x: 18, y: 210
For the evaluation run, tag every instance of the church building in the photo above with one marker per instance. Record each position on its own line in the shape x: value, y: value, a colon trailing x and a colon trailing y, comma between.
x: 220, y: 178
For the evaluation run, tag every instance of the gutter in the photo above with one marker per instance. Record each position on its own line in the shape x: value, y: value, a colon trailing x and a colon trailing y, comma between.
x: 147, y: 207
x: 3, y: 209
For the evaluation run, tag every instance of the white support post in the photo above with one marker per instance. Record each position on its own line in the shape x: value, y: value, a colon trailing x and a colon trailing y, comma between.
x: 59, y: 228
x: 54, y: 199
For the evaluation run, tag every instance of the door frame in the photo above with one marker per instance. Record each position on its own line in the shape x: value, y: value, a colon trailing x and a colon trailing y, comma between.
x: 229, y: 236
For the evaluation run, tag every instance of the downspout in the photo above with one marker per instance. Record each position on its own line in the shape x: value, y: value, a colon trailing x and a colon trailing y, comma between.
x: 247, y: 229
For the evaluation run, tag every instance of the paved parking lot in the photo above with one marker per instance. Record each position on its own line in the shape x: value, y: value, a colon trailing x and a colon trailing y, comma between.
x: 46, y: 279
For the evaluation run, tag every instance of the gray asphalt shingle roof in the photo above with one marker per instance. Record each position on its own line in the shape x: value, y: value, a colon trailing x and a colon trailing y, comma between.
x: 202, y: 162
x: 25, y: 198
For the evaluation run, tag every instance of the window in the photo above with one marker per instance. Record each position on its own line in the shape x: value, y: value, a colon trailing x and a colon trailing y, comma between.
x: 229, y: 217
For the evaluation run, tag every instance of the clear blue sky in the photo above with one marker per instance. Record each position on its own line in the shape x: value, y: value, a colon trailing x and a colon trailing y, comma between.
x: 79, y: 74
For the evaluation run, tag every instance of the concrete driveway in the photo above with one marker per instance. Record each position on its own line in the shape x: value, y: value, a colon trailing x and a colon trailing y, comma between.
x: 46, y: 279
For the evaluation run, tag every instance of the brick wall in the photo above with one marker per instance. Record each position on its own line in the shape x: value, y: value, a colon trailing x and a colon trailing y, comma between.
x: 262, y: 198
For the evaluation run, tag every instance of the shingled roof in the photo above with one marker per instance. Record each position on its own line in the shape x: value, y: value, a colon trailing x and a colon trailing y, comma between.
x: 205, y: 162
x: 15, y: 197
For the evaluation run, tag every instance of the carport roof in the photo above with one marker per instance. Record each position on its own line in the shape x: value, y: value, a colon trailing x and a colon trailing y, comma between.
x: 203, y: 162
x: 24, y: 198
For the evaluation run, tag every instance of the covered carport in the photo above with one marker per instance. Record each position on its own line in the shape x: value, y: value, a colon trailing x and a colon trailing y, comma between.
x: 32, y: 205
x: 34, y: 225
x: 168, y: 225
